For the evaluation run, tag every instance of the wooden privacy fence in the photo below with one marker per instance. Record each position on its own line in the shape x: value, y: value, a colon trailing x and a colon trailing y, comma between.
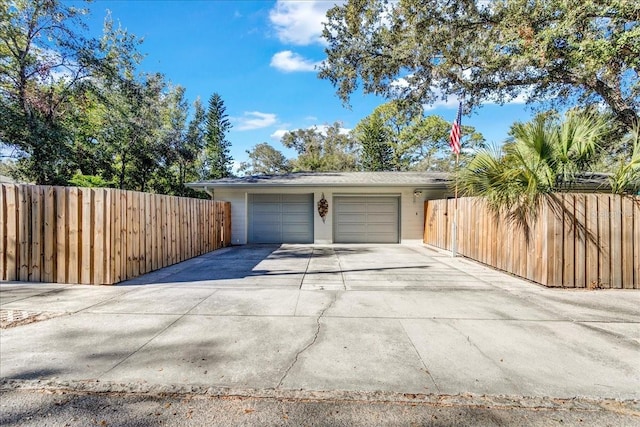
x: 577, y: 240
x: 102, y: 236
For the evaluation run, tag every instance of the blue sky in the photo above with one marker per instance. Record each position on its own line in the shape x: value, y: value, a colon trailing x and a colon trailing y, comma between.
x: 259, y: 56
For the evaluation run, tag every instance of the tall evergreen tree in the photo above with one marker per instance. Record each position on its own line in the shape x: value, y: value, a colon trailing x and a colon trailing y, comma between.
x: 217, y: 160
x: 372, y: 135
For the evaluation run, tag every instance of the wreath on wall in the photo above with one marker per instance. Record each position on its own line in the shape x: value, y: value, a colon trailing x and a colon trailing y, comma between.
x: 323, y: 207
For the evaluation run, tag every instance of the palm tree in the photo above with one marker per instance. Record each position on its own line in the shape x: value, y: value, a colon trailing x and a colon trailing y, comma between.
x: 626, y: 178
x: 543, y: 156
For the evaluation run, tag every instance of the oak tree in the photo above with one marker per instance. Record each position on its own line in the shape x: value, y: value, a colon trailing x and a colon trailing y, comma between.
x: 573, y: 52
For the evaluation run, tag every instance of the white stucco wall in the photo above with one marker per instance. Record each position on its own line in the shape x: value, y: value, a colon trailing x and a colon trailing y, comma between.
x: 411, y: 208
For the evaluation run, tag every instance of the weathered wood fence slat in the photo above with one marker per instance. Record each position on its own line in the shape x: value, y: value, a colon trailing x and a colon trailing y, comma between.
x: 102, y: 236
x: 576, y: 241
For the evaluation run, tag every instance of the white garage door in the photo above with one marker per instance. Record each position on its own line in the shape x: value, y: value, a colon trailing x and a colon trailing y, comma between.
x: 280, y: 218
x: 367, y: 219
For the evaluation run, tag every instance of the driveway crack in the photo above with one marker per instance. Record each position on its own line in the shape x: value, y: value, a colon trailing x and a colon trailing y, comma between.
x: 313, y: 340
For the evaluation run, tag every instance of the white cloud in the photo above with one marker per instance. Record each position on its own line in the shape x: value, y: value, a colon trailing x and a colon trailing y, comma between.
x: 448, y: 102
x: 289, y: 62
x: 255, y: 120
x: 323, y: 129
x: 278, y: 134
x: 300, y: 22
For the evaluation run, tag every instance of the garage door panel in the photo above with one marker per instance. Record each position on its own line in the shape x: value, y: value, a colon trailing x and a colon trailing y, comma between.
x: 382, y: 228
x: 269, y: 217
x: 382, y: 208
x: 297, y: 227
x: 296, y: 237
x: 280, y: 218
x: 366, y: 219
x: 353, y: 238
x: 384, y: 218
x: 295, y: 198
x: 264, y: 198
x: 344, y: 229
x: 295, y: 208
x: 382, y: 237
x: 266, y: 208
x: 351, y: 218
x: 268, y: 232
x: 351, y: 207
x: 295, y: 217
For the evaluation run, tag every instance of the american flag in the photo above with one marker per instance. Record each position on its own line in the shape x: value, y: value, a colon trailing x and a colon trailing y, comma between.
x: 454, y: 136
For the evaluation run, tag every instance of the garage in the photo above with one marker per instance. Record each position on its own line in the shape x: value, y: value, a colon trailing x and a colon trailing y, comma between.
x: 366, y: 219
x: 280, y: 218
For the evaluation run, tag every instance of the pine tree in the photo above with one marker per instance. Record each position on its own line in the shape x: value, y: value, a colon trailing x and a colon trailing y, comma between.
x: 217, y: 160
x: 376, y: 154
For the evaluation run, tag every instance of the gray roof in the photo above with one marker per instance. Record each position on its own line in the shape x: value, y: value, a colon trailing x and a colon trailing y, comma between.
x: 334, y: 179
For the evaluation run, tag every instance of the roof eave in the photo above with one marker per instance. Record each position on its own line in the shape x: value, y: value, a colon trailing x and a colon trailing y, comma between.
x: 205, y: 185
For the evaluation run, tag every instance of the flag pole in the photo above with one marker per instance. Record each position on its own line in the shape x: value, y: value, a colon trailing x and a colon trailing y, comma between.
x: 454, y: 225
x: 455, y: 138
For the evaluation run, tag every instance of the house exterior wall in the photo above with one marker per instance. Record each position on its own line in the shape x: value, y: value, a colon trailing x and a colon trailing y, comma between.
x: 411, y: 208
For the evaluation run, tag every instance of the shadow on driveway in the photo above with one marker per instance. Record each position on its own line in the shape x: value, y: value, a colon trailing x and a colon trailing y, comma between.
x: 235, y: 262
x: 270, y: 261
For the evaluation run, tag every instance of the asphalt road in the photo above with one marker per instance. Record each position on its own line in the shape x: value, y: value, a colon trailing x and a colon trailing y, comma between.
x: 58, y: 408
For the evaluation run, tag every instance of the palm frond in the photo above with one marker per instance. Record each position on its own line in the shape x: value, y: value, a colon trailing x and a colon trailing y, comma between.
x: 626, y: 179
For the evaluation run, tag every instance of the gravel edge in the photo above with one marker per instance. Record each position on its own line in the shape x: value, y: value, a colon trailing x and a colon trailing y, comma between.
x: 625, y: 407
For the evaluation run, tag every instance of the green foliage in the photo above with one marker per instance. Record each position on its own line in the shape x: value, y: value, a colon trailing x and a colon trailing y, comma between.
x: 626, y: 177
x: 91, y: 181
x: 75, y: 110
x: 392, y: 138
x: 265, y: 160
x: 328, y: 150
x: 217, y: 160
x: 558, y: 51
x: 46, y: 63
x: 376, y: 153
x: 544, y: 156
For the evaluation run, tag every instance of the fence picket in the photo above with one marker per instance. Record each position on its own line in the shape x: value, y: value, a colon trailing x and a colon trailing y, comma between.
x: 581, y: 235
x: 101, y: 236
x: 24, y: 216
x: 615, y: 236
x: 604, y: 241
x: 579, y: 240
x: 11, y: 251
x: 49, y: 235
x: 62, y: 235
x: 569, y: 241
x: 635, y: 242
x: 3, y: 227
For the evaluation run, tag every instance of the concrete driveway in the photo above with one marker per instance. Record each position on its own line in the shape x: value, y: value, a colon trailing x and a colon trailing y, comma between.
x: 388, y: 318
